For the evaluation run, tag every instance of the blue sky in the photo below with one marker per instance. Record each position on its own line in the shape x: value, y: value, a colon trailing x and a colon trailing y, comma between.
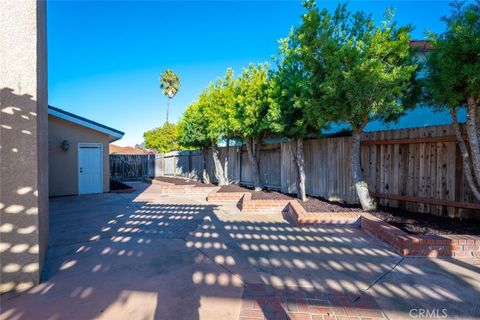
x: 104, y: 58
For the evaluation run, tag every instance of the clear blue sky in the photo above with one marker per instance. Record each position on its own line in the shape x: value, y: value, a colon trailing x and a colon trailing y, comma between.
x: 104, y: 58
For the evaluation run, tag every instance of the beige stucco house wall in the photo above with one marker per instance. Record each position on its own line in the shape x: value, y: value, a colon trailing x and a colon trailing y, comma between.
x: 23, y: 142
x: 63, y: 165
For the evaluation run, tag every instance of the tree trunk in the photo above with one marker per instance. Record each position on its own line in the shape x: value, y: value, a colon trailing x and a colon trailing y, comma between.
x: 205, y: 177
x: 467, y: 168
x: 473, y: 137
x: 298, y: 156
x: 225, y: 164
x: 168, y: 107
x: 218, y: 166
x: 361, y: 186
x: 253, y: 151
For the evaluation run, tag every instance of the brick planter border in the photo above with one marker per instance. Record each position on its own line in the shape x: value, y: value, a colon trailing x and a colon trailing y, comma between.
x: 298, y: 214
x: 262, y: 205
x: 171, y: 188
x: 455, y: 246
x: 225, y: 196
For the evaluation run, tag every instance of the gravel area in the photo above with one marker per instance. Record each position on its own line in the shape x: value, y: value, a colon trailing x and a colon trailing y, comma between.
x: 182, y: 182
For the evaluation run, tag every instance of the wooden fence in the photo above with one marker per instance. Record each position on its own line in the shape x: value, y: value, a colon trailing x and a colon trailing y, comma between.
x: 125, y: 167
x: 417, y: 169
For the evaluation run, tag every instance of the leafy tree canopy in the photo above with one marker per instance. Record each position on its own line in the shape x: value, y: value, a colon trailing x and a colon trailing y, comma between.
x: 192, y: 129
x: 454, y: 64
x: 292, y: 92
x: 255, y: 114
x: 162, y: 139
x: 361, y: 71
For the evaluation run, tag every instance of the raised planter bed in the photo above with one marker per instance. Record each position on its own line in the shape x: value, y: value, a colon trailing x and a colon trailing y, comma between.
x: 228, y: 193
x: 179, y: 185
x: 456, y: 246
x: 435, y: 244
x: 184, y: 182
x: 255, y: 203
x: 298, y: 214
x: 438, y: 242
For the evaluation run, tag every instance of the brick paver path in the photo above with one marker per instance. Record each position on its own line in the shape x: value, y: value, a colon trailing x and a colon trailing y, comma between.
x: 266, y: 302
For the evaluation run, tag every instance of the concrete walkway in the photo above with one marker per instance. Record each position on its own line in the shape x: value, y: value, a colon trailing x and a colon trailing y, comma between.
x: 147, y: 255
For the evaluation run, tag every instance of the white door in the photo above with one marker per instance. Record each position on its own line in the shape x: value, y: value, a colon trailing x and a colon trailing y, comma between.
x: 90, y: 168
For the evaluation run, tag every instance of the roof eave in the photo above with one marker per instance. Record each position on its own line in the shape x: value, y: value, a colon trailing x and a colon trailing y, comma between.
x: 113, y: 134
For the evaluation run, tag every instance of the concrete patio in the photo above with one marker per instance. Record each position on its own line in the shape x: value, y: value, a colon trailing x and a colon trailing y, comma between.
x: 148, y: 255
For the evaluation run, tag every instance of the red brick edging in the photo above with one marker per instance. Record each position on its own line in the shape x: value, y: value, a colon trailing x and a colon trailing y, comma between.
x: 455, y: 246
x: 262, y: 205
x: 302, y: 217
x: 225, y: 196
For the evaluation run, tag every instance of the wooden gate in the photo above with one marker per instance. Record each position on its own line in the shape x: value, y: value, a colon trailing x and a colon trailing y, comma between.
x: 125, y: 167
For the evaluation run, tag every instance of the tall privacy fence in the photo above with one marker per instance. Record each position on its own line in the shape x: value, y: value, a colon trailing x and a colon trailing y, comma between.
x: 126, y: 167
x: 417, y: 169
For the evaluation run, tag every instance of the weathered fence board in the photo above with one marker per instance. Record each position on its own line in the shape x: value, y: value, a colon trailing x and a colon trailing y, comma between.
x: 402, y: 167
x: 126, y: 167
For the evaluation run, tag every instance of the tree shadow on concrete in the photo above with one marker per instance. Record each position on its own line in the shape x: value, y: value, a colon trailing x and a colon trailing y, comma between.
x: 121, y: 256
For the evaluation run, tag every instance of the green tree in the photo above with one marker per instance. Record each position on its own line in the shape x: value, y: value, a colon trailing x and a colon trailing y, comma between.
x: 162, y: 139
x: 220, y: 112
x: 366, y: 70
x: 255, y: 115
x: 192, y: 133
x: 293, y: 95
x: 208, y: 122
x: 453, y: 81
x: 170, y: 84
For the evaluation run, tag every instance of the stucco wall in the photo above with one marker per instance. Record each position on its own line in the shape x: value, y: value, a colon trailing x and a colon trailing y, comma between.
x: 63, y: 165
x: 23, y: 141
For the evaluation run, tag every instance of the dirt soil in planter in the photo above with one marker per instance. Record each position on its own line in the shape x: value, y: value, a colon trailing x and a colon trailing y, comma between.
x: 269, y: 195
x: 256, y: 195
x: 423, y: 223
x: 318, y: 205
x: 234, y: 188
x: 182, y: 182
x: 117, y: 185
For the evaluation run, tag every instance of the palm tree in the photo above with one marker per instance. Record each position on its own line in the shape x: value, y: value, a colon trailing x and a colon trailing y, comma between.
x: 170, y: 83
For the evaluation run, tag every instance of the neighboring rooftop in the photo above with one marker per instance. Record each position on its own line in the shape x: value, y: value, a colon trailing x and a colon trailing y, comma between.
x: 71, y: 117
x: 114, y: 149
x: 422, y: 45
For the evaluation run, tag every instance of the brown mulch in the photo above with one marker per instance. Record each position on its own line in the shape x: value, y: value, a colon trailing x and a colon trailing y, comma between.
x: 233, y: 188
x: 182, y: 182
x: 410, y: 222
x: 424, y: 223
x: 318, y: 205
x: 269, y: 195
x: 256, y: 195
